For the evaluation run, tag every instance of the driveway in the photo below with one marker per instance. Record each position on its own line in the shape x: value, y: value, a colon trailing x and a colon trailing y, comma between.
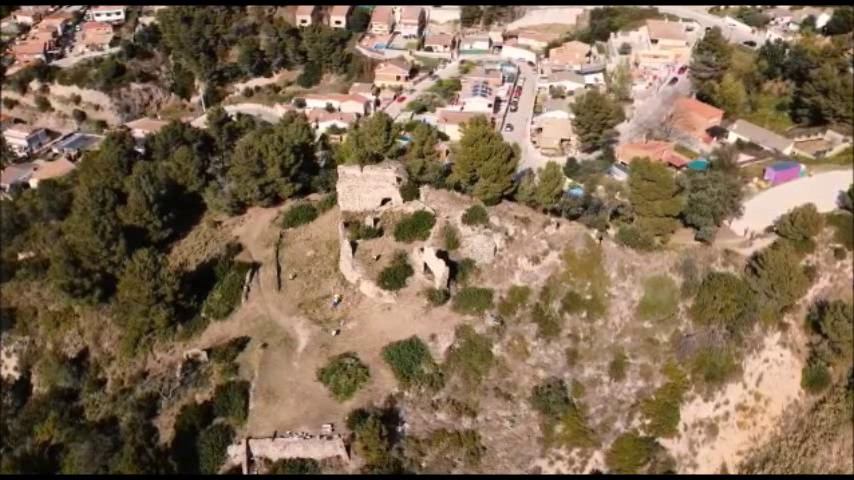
x: 821, y: 189
x: 651, y: 112
x: 70, y: 61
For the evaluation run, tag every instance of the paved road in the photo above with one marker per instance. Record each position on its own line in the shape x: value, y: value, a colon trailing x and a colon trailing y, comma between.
x: 702, y: 16
x: 821, y: 189
x: 651, y: 112
x: 71, y: 61
x: 257, y: 110
x: 521, y: 120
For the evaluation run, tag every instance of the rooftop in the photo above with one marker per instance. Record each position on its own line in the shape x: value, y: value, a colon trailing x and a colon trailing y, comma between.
x: 410, y: 14
x: 443, y: 39
x: 382, y: 14
x: 15, y: 173
x: 565, y: 77
x: 305, y: 9
x: 151, y: 125
x: 662, y: 29
x: 760, y: 136
x: 450, y: 117
x: 573, y: 52
x: 340, y: 10
x: 696, y: 107
x: 56, y: 168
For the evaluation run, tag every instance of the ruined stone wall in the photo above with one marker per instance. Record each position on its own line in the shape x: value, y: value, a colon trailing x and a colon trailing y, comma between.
x: 354, y: 273
x: 370, y: 187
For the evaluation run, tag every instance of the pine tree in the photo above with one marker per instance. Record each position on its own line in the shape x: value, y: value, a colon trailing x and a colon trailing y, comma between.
x: 596, y: 115
x: 656, y: 197
x: 549, y: 186
x: 485, y: 164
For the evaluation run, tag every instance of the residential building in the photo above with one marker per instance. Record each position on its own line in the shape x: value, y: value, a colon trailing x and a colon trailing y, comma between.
x: 30, y: 15
x: 568, y: 80
x: 556, y: 108
x: 392, y: 73
x: 24, y: 140
x: 363, y: 89
x: 536, y: 40
x: 520, y: 54
x: 323, y: 120
x: 554, y: 137
x: 656, y: 43
x: 820, y: 142
x: 662, y: 152
x: 451, y: 121
x: 798, y: 16
x: 143, y: 127
x: 30, y: 50
x: 345, y: 103
x: 56, y: 22
x: 95, y: 36
x: 442, y: 43
x: 306, y: 15
x: 491, y: 76
x: 475, y: 44
x: 382, y: 20
x: 16, y: 174
x: 75, y: 143
x: 338, y: 16
x: 572, y: 56
x: 693, y: 119
x: 43, y: 170
x: 114, y: 14
x: 747, y: 132
x: 479, y: 98
x: 412, y: 22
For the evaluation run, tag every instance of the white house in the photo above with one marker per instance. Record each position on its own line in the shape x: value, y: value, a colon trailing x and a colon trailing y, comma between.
x: 382, y: 20
x: 107, y: 13
x: 442, y: 43
x: 748, y: 132
x: 569, y: 81
x: 143, y: 127
x: 24, y: 140
x: 515, y: 53
x: 305, y: 15
x: 412, y: 22
x: 338, y: 16
x: 476, y: 43
x: 480, y: 98
x: 345, y: 103
x: 323, y: 120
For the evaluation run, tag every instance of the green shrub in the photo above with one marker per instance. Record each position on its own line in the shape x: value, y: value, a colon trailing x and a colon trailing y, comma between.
x: 660, y: 299
x: 414, y: 227
x: 212, y: 446
x: 437, y: 296
x: 633, y: 237
x: 344, y: 375
x: 572, y: 303
x: 227, y: 293
x: 470, y: 356
x: 227, y: 352
x: 800, y: 224
x: 630, y: 453
x: 713, y: 366
x: 359, y: 231
x: 448, y: 445
x: 815, y: 377
x: 725, y: 301
x: 394, y: 276
x: 618, y: 366
x: 466, y: 269
x: 231, y: 400
x: 409, y: 191
x: 551, y: 398
x: 412, y: 365
x: 839, y: 253
x: 43, y: 104
x: 473, y: 300
x: 327, y: 203
x: 451, y: 237
x: 661, y: 410
x: 294, y: 466
x: 514, y: 300
x: 548, y: 324
x: 476, y: 215
x: 843, y: 228
x: 574, y: 432
x: 298, y: 215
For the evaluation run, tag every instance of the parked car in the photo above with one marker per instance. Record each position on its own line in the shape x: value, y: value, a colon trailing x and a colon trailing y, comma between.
x: 514, y: 108
x: 749, y: 43
x: 401, y: 99
x: 673, y: 81
x: 532, y: 64
x: 683, y: 69
x: 508, y: 127
x: 518, y: 91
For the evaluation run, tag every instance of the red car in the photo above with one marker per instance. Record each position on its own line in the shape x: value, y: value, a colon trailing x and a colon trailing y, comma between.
x: 683, y: 69
x: 518, y: 91
x: 401, y: 99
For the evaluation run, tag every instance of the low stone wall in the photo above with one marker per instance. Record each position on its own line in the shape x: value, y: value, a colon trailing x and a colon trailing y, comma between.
x: 354, y: 273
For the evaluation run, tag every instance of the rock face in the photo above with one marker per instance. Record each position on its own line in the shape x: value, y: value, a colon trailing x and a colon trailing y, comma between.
x: 370, y: 187
x: 426, y: 263
x: 480, y: 247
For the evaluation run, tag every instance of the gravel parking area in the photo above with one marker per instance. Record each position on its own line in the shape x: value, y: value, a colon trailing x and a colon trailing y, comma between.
x: 821, y: 189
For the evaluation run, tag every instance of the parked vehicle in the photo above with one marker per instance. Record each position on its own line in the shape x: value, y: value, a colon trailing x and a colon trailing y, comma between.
x: 508, y: 127
x: 749, y: 43
x: 518, y: 91
x: 514, y: 108
x: 683, y: 69
x: 673, y: 81
x: 401, y: 99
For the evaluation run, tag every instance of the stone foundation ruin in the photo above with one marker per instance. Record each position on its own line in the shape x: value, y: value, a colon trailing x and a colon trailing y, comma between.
x: 370, y: 187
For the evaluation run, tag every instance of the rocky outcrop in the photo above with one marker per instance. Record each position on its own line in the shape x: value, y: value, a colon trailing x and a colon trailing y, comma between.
x: 479, y: 246
x: 370, y: 187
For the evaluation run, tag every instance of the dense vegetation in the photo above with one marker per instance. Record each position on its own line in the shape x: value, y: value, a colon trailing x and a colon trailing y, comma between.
x: 344, y: 375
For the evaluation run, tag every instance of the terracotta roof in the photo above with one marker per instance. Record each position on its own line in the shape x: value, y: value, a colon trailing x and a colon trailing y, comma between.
x: 443, y: 39
x: 29, y: 47
x: 666, y: 30
x: 305, y: 9
x: 107, y: 8
x: 58, y: 17
x: 573, y: 53
x: 696, y: 107
x: 382, y: 14
x: 450, y: 117
x: 394, y: 63
x: 361, y: 89
x: 654, y: 150
x: 337, y: 97
x: 340, y: 10
x: 410, y: 14
x: 14, y: 173
x: 554, y: 130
